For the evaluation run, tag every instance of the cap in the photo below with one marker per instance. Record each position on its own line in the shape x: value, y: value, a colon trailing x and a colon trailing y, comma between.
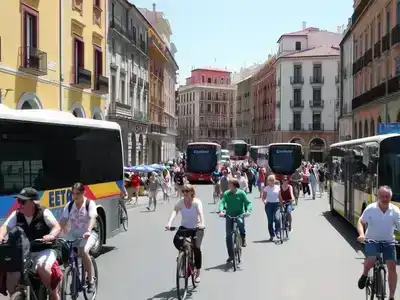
x: 29, y: 193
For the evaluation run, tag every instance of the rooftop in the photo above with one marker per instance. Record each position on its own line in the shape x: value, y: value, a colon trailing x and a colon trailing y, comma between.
x: 316, y: 52
x: 212, y: 69
x: 303, y: 32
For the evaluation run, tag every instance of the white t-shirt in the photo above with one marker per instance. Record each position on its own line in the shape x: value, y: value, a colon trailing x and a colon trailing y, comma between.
x: 190, y: 216
x: 381, y: 225
x: 79, y: 218
x: 48, y: 216
x: 242, y: 182
x: 272, y: 193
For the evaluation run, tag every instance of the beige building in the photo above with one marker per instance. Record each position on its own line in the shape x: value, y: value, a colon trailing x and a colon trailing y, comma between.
x: 205, y: 109
x: 244, y: 110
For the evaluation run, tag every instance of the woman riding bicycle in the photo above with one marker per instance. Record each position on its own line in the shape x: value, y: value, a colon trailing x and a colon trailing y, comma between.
x: 286, y: 197
x: 191, y: 210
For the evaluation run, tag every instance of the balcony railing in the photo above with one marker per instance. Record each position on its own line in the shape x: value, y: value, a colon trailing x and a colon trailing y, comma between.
x: 316, y: 126
x: 140, y: 116
x: 82, y: 78
x: 32, y: 60
x: 157, y: 128
x: 369, y: 96
x: 101, y: 84
x: 367, y: 57
x: 317, y: 79
x: 317, y: 103
x: 296, y: 103
x: 296, y: 126
x: 385, y: 42
x: 393, y: 85
x: 377, y: 49
x: 296, y: 80
x: 395, y: 34
x: 358, y: 11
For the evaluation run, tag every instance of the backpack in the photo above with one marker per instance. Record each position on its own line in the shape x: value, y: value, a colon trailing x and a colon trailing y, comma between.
x: 72, y: 203
x: 20, y: 247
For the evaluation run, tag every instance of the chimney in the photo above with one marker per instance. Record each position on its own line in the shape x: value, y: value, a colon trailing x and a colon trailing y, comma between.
x: 154, y: 7
x: 304, y: 25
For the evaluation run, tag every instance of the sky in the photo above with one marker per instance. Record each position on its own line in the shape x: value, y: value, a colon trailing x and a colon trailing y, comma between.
x: 238, y: 33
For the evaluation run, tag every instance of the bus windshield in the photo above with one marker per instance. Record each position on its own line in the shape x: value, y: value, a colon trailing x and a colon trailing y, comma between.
x: 389, y: 165
x: 240, y: 149
x: 201, y: 159
x: 284, y: 159
x: 253, y: 154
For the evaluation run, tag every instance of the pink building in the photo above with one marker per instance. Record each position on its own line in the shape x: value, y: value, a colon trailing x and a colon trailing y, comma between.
x: 376, y: 65
x: 205, y: 109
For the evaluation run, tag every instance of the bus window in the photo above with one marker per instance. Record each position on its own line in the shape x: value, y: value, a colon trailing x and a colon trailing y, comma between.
x: 389, y: 166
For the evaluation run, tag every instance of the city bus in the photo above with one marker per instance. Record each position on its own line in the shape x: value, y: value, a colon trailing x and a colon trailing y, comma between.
x: 259, y: 154
x: 50, y: 151
x: 238, y: 150
x: 357, y: 168
x: 284, y: 158
x: 202, y: 159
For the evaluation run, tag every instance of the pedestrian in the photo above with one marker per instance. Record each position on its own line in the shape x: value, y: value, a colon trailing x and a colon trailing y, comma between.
x: 272, y: 205
x: 154, y: 185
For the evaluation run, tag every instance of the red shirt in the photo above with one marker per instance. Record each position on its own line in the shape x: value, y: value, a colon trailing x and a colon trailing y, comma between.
x: 135, y: 181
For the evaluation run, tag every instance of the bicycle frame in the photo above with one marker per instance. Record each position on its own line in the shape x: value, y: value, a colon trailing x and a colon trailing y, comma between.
x: 78, y: 278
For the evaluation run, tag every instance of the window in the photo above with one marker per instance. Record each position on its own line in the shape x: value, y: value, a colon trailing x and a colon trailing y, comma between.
x: 297, y: 72
x: 209, y: 96
x: 202, y: 79
x: 317, y: 72
x: 28, y: 157
x: 398, y: 12
x: 30, y: 29
x: 123, y: 100
x: 316, y: 119
x: 316, y: 95
x: 355, y: 50
x: 209, y: 108
x: 216, y: 96
x: 372, y: 28
x: 112, y: 12
x: 366, y: 40
x: 297, y: 96
x: 98, y: 62
x: 78, y: 59
x: 296, y: 121
x: 387, y: 19
x: 298, y: 46
x: 201, y: 95
x: 208, y: 80
x: 97, y: 3
x: 379, y: 27
x: 216, y: 108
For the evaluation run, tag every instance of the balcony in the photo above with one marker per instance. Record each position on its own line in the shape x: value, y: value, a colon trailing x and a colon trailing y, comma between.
x: 296, y: 80
x: 393, y: 85
x: 32, y: 61
x: 297, y: 104
x: 116, y: 25
x: 81, y: 78
x: 337, y: 79
x: 377, y: 49
x: 317, y: 104
x: 359, y: 10
x: 367, y: 57
x: 140, y: 116
x: 369, y: 96
x: 120, y: 110
x: 101, y: 84
x: 157, y: 129
x: 317, y: 80
x: 316, y: 126
x: 385, y: 42
x: 395, y: 34
x: 296, y: 126
x: 172, y: 131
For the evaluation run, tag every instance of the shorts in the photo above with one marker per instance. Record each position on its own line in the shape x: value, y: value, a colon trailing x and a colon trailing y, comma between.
x: 260, y: 184
x: 152, y: 194
x: 45, y: 257
x: 388, y: 250
x: 85, y: 244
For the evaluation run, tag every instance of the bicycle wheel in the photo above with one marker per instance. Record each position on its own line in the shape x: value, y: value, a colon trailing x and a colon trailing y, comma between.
x: 234, y: 246
x: 95, y: 271
x: 69, y: 284
x: 18, y: 296
x: 238, y: 247
x: 286, y: 226
x: 369, y: 291
x: 181, y: 272
x: 380, y: 284
x: 282, y: 228
x: 191, y: 269
x: 123, y: 217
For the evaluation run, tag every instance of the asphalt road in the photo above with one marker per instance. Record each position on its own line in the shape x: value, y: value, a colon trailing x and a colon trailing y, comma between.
x: 320, y: 261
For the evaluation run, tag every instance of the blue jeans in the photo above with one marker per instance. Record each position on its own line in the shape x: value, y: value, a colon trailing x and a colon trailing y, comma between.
x: 274, y: 216
x: 387, y: 249
x: 229, y: 229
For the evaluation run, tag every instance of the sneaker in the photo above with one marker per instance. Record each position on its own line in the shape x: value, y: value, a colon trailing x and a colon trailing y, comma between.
x: 362, y: 282
x: 90, y: 287
x: 197, y: 277
x: 271, y: 239
x: 244, y: 244
x: 229, y: 260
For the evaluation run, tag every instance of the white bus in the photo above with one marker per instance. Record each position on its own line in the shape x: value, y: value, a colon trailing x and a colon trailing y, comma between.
x: 50, y: 151
x: 259, y: 154
x: 357, y: 168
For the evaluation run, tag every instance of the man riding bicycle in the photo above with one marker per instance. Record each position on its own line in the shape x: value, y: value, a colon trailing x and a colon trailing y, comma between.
x: 215, y: 177
x: 381, y: 218
x: 234, y: 203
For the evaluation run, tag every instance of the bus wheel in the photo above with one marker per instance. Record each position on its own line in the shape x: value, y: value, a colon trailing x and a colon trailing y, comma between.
x: 100, y: 230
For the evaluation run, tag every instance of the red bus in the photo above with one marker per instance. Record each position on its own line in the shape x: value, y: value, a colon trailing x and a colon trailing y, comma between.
x: 238, y: 150
x: 201, y: 160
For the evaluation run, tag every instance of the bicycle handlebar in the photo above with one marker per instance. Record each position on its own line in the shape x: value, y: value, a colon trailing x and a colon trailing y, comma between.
x: 173, y: 228
x: 368, y: 241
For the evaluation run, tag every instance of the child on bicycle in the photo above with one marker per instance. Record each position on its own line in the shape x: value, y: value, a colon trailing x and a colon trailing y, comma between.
x: 286, y: 197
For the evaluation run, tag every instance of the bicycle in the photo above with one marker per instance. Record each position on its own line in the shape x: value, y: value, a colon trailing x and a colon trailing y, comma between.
x: 185, y: 262
x: 29, y: 285
x: 236, y: 242
x: 123, y: 214
x: 284, y: 222
x: 376, y: 284
x: 76, y: 271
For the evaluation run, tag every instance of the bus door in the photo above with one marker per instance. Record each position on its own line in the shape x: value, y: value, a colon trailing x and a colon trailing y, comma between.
x: 349, y: 189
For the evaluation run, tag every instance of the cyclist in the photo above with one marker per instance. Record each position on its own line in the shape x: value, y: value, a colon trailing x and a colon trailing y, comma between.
x: 234, y: 203
x: 224, y: 181
x: 381, y: 218
x: 215, y: 177
x: 37, y: 223
x: 286, y: 197
x: 191, y: 210
x: 81, y: 214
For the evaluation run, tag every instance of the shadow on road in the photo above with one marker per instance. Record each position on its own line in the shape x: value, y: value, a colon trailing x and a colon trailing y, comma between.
x: 105, y: 249
x: 262, y: 242
x: 222, y: 267
x: 346, y: 230
x: 170, y: 295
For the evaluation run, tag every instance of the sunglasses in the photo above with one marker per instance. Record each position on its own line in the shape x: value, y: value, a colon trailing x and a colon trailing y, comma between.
x: 21, y: 201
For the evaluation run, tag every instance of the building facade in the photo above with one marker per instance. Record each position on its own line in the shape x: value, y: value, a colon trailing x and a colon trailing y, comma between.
x: 244, y: 110
x: 128, y: 70
x: 308, y: 90
x: 264, y: 85
x: 346, y: 88
x: 206, y: 108
x: 64, y: 72
x: 161, y: 24
x: 375, y: 30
